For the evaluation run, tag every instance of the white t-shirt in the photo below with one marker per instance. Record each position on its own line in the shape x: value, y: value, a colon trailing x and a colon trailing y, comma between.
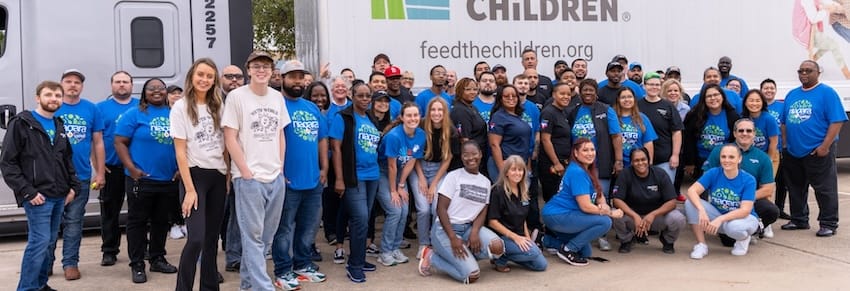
x: 469, y: 194
x: 259, y: 121
x: 204, y: 142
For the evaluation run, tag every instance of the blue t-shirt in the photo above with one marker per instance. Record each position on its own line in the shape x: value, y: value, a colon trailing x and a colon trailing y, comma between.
x: 395, y: 108
x: 733, y: 98
x: 425, y: 96
x: 576, y: 182
x: 303, y: 134
x: 715, y: 132
x: 726, y: 194
x: 753, y: 161
x: 776, y: 109
x: 333, y: 109
x: 81, y: 121
x: 366, y: 146
x: 514, y: 131
x: 47, y: 124
x: 151, y: 147
x: 398, y: 145
x: 633, y: 137
x: 584, y: 128
x: 639, y: 91
x: 111, y: 111
x: 808, y: 115
x: 483, y: 108
x: 531, y: 115
x: 766, y: 127
x: 744, y: 87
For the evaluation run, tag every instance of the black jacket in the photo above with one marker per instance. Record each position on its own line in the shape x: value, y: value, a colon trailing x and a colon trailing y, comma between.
x: 31, y: 164
x: 691, y: 135
x: 604, y: 147
x: 349, y: 156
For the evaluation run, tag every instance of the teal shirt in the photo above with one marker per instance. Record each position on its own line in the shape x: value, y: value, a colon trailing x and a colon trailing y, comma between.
x: 754, y: 161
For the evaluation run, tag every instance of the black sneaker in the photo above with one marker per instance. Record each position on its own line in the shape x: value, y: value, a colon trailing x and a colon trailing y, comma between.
x: 726, y: 240
x: 233, y: 267
x: 162, y: 266
x: 315, y: 255
x: 220, y: 277
x: 46, y: 288
x: 108, y: 260
x: 138, y: 274
x: 784, y: 215
x: 571, y: 257
x: 666, y: 247
x: 369, y: 267
x: 409, y: 233
x: 626, y: 247
x: 641, y: 240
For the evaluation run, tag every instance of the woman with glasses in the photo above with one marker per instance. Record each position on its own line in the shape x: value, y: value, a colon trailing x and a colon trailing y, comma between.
x: 767, y: 129
x: 707, y: 125
x: 509, y: 134
x: 635, y: 127
x: 466, y: 118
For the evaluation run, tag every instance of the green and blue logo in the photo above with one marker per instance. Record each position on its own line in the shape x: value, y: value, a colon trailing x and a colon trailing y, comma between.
x: 410, y: 9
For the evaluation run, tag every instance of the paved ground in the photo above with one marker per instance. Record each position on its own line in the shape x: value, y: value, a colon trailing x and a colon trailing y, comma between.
x: 792, y: 261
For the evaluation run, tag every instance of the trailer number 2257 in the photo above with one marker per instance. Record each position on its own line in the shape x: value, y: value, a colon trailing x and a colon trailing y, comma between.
x: 210, y: 22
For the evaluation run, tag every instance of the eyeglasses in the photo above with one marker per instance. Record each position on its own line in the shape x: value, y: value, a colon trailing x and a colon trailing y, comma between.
x: 233, y: 76
x: 407, y: 78
x: 471, y: 89
x: 805, y: 71
x: 155, y: 88
x: 745, y: 130
x: 259, y: 67
x: 713, y: 95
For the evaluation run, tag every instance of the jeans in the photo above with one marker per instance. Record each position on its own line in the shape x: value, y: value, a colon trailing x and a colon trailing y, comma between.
x: 842, y: 31
x: 492, y: 170
x: 671, y: 173
x: 426, y: 209
x: 738, y: 229
x: 396, y: 215
x: 443, y: 258
x: 532, y: 259
x: 72, y: 233
x: 820, y: 173
x: 297, y: 230
x: 577, y: 229
x: 111, y: 200
x: 43, y: 229
x: 203, y: 230
x: 357, y: 201
x: 669, y: 225
x: 233, y: 245
x: 259, y: 206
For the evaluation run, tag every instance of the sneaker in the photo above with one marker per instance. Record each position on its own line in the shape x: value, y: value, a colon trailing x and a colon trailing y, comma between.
x: 310, y: 274
x: 372, y: 250
x: 425, y: 262
x: 339, y: 256
x: 604, y: 245
x: 162, y: 266
x: 768, y: 231
x: 571, y: 257
x: 626, y: 247
x: 288, y: 281
x: 386, y: 259
x: 405, y: 245
x: 666, y: 247
x: 369, y: 267
x: 176, y: 233
x: 332, y: 239
x: 700, y: 251
x: 355, y: 275
x: 399, y: 257
x: 233, y: 267
x: 138, y: 274
x: 316, y: 255
x: 741, y: 246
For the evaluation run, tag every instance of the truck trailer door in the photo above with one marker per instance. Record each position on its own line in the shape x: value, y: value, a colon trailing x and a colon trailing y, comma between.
x: 11, y: 92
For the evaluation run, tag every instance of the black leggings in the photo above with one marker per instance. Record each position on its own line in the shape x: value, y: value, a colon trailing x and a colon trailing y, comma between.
x: 203, y: 226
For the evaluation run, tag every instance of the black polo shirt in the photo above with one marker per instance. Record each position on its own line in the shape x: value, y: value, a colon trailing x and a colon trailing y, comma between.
x: 554, y: 122
x: 665, y: 120
x: 510, y: 212
x: 643, y: 195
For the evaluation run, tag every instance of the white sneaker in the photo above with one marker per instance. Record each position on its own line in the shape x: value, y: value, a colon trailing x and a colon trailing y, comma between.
x: 288, y: 281
x: 700, y: 251
x: 176, y: 233
x: 419, y: 252
x: 399, y: 257
x: 741, y: 246
x: 386, y: 259
x: 768, y: 231
x: 604, y: 245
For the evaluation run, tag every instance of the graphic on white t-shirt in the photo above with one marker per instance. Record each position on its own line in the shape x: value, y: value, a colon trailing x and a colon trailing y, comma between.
x: 473, y: 193
x: 264, y: 124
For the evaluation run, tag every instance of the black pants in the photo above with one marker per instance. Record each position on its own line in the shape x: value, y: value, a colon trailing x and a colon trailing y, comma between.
x: 533, y: 219
x: 203, y: 227
x: 148, y: 202
x: 781, y: 190
x: 330, y: 211
x: 549, y: 182
x: 111, y: 200
x: 820, y: 173
x: 766, y: 210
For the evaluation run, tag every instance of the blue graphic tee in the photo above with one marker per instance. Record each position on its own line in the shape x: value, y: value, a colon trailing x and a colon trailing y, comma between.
x: 111, y: 111
x: 308, y: 126
x: 715, y: 132
x: 47, y: 124
x: 726, y: 194
x: 575, y: 183
x: 766, y: 127
x: 366, y: 146
x: 777, y: 110
x: 531, y: 115
x: 584, y: 128
x: 151, y: 147
x: 483, y: 108
x: 81, y: 121
x: 808, y: 115
x: 426, y: 95
x: 633, y: 137
x: 404, y: 148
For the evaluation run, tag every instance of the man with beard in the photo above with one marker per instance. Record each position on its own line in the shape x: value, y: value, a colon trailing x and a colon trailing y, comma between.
x: 501, y: 74
x: 608, y: 92
x: 438, y: 82
x: 624, y: 63
x: 725, y: 66
x: 479, y: 68
x: 712, y: 76
x: 560, y: 66
x: 579, y: 66
x: 543, y: 86
x: 486, y: 96
x: 636, y: 72
x: 231, y: 241
x: 36, y: 141
x: 112, y: 195
x: 535, y: 94
x: 394, y: 88
x: 451, y: 79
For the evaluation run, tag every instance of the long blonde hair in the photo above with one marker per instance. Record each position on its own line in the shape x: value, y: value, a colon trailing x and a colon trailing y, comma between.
x: 446, y: 135
x: 213, y: 98
x: 522, y: 192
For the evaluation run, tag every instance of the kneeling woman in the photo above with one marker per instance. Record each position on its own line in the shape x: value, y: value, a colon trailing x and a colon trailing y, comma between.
x: 578, y: 214
x: 458, y: 237
x: 729, y: 209
x: 506, y: 215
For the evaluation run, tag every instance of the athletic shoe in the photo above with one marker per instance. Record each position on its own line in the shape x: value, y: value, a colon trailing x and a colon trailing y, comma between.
x: 310, y: 274
x: 399, y: 257
x: 604, y: 245
x: 626, y: 246
x: 288, y: 281
x: 666, y: 247
x: 233, y: 267
x: 316, y: 255
x: 176, y: 233
x: 571, y: 257
x: 355, y: 275
x: 405, y: 245
x: 741, y: 246
x: 339, y: 256
x: 700, y: 251
x: 425, y: 262
x: 768, y: 231
x: 372, y: 250
x: 369, y: 267
x: 386, y: 259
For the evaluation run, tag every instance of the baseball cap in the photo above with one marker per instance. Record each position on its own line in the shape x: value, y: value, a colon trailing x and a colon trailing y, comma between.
x: 561, y: 62
x: 612, y: 65
x: 674, y: 69
x: 617, y: 58
x: 635, y: 64
x: 74, y: 72
x: 652, y: 75
x: 499, y: 67
x: 258, y: 54
x: 380, y: 94
x: 292, y: 66
x: 173, y: 88
x: 392, y: 71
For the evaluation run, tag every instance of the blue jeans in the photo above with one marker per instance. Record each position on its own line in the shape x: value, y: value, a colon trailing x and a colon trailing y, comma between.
x: 357, y: 201
x: 738, y: 229
x: 443, y: 258
x: 72, y: 233
x: 670, y: 172
x: 532, y: 259
x: 425, y: 210
x: 233, y: 249
x: 396, y: 215
x: 297, y: 229
x: 577, y: 229
x: 259, y: 206
x: 43, y: 225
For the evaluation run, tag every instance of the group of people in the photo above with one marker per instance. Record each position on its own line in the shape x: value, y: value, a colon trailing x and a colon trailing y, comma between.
x: 261, y: 165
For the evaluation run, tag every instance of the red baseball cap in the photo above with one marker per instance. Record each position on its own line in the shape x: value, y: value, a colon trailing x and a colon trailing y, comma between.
x: 392, y: 71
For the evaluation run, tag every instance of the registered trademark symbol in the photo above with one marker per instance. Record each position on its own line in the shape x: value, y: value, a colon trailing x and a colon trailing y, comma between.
x: 627, y: 16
